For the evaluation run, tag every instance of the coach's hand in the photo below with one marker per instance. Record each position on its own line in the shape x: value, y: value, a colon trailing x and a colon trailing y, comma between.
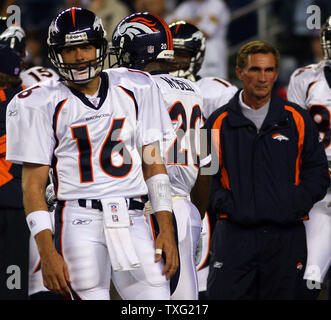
x: 165, y: 241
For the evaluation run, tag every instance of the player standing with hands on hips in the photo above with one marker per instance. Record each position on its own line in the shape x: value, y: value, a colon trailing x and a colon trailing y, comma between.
x: 91, y: 127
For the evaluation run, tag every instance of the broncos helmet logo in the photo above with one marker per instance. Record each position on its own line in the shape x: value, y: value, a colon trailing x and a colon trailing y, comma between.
x: 134, y: 27
x: 197, y: 35
x: 52, y: 30
x: 97, y: 25
x: 13, y: 32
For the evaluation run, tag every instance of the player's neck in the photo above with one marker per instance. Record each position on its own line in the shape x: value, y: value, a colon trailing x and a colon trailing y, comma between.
x: 154, y: 66
x: 89, y: 88
x: 255, y: 102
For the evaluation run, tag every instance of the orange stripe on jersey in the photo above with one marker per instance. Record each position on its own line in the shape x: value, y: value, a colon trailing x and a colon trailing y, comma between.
x: 55, y: 128
x: 73, y: 16
x: 74, y: 294
x: 217, y: 145
x: 301, y: 131
x: 309, y: 87
x: 59, y: 110
x: 209, y: 238
x: 138, y: 71
x: 37, y: 267
x: 131, y: 95
x: 2, y: 96
x: 61, y: 231
x: 152, y: 226
x: 222, y: 82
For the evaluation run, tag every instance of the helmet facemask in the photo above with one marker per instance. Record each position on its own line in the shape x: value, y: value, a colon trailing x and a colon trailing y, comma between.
x: 326, y: 42
x: 182, y: 65
x: 188, y: 41
x: 189, y: 68
x: 77, y: 26
x: 122, y: 59
x: 73, y: 71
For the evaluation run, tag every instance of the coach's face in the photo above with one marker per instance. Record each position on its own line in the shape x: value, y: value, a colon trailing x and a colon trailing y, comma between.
x: 258, y: 78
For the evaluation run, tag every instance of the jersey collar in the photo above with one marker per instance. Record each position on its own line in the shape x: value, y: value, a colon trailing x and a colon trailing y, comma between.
x: 102, y: 93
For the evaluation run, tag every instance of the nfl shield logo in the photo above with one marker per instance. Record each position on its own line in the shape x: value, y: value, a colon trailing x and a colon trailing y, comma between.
x: 114, y: 207
x: 150, y: 49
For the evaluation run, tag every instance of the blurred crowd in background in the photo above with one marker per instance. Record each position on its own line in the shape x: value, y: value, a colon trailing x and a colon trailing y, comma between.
x: 280, y: 22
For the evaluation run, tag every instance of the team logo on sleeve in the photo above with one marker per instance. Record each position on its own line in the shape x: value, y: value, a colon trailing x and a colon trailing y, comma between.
x: 279, y: 137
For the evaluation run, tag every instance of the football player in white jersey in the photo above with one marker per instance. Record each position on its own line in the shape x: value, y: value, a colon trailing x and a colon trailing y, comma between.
x: 37, y: 74
x: 142, y: 50
x: 14, y: 36
x: 37, y: 290
x: 189, y: 47
x: 100, y: 131
x: 310, y: 87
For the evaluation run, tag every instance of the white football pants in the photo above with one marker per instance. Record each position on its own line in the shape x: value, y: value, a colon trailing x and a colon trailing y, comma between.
x: 188, y: 228
x: 318, y: 231
x: 80, y: 238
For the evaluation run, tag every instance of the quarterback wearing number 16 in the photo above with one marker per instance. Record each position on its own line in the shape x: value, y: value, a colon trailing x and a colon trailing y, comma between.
x: 95, y: 129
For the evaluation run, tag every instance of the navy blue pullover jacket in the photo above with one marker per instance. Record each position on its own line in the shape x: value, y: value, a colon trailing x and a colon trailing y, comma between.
x: 274, y: 175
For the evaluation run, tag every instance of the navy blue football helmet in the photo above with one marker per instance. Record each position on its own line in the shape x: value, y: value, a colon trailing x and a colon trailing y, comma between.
x: 326, y: 39
x: 141, y: 38
x: 71, y: 27
x: 189, y: 38
x: 13, y: 36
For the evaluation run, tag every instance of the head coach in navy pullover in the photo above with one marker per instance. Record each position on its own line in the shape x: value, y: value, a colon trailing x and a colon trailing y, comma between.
x: 272, y: 169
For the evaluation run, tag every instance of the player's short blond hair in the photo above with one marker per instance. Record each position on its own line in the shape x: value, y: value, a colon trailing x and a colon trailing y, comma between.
x: 256, y: 47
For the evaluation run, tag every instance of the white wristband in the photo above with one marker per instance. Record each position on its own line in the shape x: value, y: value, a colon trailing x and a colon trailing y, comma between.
x: 159, y: 192
x: 39, y: 221
x: 205, y: 161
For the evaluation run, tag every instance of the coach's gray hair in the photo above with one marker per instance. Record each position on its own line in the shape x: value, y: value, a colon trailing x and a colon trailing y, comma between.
x: 256, y: 47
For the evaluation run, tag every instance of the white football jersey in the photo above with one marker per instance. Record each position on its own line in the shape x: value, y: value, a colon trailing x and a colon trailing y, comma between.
x: 216, y: 92
x: 309, y: 88
x: 37, y: 74
x: 94, y: 150
x: 184, y: 104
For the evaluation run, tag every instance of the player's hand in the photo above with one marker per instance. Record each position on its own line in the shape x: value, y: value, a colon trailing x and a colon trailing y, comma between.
x: 55, y: 273
x: 166, y: 242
